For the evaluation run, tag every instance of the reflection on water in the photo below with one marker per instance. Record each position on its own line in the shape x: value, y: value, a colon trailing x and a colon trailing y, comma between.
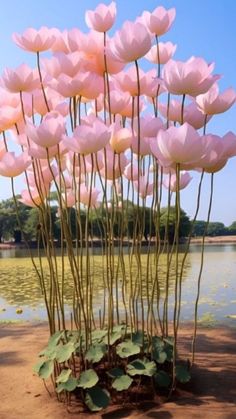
x: 19, y: 285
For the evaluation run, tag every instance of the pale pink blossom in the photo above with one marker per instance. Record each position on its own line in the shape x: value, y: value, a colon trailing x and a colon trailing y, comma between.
x: 143, y: 186
x: 192, y: 77
x: 159, y: 21
x: 131, y: 42
x: 213, y: 102
x: 33, y: 40
x: 88, y: 196
x: 162, y: 54
x: 49, y: 133
x: 22, y: 79
x: 102, y: 18
x: 12, y: 165
x: 171, y: 181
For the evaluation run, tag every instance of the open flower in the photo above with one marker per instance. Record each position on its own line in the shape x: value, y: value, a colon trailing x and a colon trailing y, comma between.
x: 49, y: 133
x: 162, y: 54
x: 22, y: 79
x: 192, y: 77
x: 213, y: 102
x: 12, y: 165
x: 159, y: 21
x: 88, y: 138
x: 33, y: 40
x: 171, y: 181
x: 178, y: 145
x: 89, y: 196
x: 131, y: 42
x: 102, y: 18
x: 143, y: 186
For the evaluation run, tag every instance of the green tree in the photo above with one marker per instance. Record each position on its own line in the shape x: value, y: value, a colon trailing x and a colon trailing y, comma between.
x: 168, y: 222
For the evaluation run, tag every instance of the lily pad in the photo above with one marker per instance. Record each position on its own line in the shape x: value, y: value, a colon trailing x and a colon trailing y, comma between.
x: 69, y: 385
x: 115, y: 372
x: 182, y: 373
x: 231, y: 316
x: 95, y: 353
x: 54, y: 339
x: 98, y: 335
x: 138, y: 338
x: 44, y: 369
x: 159, y: 356
x: 141, y: 367
x: 88, y: 379
x: 127, y: 348
x: 114, y: 336
x: 64, y: 352
x: 122, y: 383
x: 64, y: 376
x: 97, y: 399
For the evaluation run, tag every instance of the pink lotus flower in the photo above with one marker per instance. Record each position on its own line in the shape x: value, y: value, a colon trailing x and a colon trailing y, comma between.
x: 131, y: 42
x: 68, y: 198
x: 142, y: 148
x: 62, y: 63
x: 229, y: 141
x: 128, y: 80
x: 181, y: 145
x: 149, y: 126
x: 160, y: 20
x: 131, y: 171
x: 32, y: 198
x: 89, y: 197
x: 120, y: 138
x: 194, y: 116
x: 143, y: 187
x: 118, y: 101
x: 114, y: 164
x: 192, y: 77
x: 22, y: 79
x: 102, y: 18
x: 60, y: 41
x: 215, y: 157
x: 86, y: 84
x: 33, y: 40
x: 88, y: 138
x: 9, y: 116
x: 213, y: 102
x: 165, y: 53
x: 171, y: 181
x: 130, y: 111
x: 12, y: 165
x: 49, y: 133
x: 173, y: 113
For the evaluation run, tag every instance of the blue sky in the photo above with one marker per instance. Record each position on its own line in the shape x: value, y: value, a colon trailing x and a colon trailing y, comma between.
x: 202, y: 28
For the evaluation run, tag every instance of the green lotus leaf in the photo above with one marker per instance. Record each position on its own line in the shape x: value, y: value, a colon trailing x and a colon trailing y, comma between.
x: 64, y: 352
x: 64, y: 376
x: 99, y: 334
x: 97, y: 399
x: 138, y: 338
x: 115, y: 372
x: 69, y: 385
x: 122, y: 383
x: 141, y: 367
x: 157, y: 343
x: 159, y: 356
x: 162, y: 379
x: 95, y: 353
x: 55, y: 338
x: 127, y: 348
x: 182, y: 373
x: 44, y: 368
x: 87, y: 379
x: 114, y: 336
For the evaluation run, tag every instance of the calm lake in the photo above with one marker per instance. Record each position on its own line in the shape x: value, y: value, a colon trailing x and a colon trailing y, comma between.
x: 19, y: 287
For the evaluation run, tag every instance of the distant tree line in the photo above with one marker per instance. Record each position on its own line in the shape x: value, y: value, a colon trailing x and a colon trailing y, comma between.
x: 121, y: 226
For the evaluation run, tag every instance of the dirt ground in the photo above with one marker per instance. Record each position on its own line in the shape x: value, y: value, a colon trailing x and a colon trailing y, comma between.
x: 211, y: 393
